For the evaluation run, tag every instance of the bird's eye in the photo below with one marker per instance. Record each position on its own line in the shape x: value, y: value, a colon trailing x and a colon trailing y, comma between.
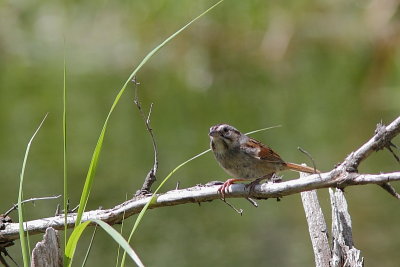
x: 225, y: 130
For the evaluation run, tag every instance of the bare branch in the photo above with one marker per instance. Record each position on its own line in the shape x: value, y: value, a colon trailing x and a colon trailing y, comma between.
x: 316, y: 227
x: 381, y: 139
x: 344, y: 252
x: 199, y: 194
x: 341, y: 176
x: 15, y: 206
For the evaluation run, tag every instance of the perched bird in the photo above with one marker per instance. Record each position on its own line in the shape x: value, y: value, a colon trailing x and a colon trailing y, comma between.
x: 245, y: 158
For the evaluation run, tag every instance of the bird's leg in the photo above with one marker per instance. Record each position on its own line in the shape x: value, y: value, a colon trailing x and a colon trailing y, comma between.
x: 224, y: 186
x: 252, y: 184
x: 276, y: 178
x: 257, y: 181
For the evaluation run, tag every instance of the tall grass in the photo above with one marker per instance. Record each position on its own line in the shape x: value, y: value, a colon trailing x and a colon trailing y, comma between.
x: 24, y: 245
x: 65, y: 200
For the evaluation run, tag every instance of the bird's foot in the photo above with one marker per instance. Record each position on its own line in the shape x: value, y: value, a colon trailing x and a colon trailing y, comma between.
x: 223, y: 189
x: 253, y: 184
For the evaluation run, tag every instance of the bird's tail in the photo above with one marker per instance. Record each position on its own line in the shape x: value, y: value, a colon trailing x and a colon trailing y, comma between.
x: 300, y: 168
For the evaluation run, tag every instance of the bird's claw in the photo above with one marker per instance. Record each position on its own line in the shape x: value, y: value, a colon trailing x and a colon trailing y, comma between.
x: 223, y: 189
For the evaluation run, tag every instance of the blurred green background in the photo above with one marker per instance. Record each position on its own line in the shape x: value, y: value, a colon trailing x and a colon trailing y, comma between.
x: 328, y: 71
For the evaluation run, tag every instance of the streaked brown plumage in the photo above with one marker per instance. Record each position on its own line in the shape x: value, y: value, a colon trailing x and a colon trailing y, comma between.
x: 246, y: 158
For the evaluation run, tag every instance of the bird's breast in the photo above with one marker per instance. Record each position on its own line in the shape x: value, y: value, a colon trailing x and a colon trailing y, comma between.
x: 242, y: 165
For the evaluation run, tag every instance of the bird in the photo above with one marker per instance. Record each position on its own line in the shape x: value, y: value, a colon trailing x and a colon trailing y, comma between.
x: 245, y: 158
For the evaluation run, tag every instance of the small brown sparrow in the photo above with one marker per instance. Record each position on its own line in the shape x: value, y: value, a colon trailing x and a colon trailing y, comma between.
x: 245, y: 158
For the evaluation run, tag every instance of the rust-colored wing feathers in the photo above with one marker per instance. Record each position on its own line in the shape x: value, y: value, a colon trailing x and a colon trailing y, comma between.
x: 264, y: 152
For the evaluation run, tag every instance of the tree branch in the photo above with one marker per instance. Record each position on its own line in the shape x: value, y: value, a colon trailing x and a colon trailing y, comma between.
x: 381, y: 139
x: 316, y: 227
x: 344, y: 253
x: 197, y: 194
x: 341, y: 176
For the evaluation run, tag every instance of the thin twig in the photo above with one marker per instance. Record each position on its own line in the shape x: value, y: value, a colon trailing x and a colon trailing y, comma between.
x: 58, y: 212
x: 389, y: 147
x: 310, y: 157
x: 12, y: 259
x: 3, y: 261
x: 252, y: 201
x: 390, y: 189
x: 15, y: 206
x: 151, y: 176
x: 74, y: 209
x: 239, y: 211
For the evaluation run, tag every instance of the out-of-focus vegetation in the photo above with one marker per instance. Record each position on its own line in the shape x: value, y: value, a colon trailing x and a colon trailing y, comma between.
x: 327, y: 71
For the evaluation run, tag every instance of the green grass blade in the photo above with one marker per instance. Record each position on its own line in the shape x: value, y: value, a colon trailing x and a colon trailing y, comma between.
x: 121, y: 241
x: 24, y: 247
x: 28, y: 241
x: 91, y: 172
x: 264, y: 129
x: 73, y: 242
x: 90, y: 247
x: 93, y: 163
x: 65, y: 151
x: 121, y: 231
x: 77, y: 233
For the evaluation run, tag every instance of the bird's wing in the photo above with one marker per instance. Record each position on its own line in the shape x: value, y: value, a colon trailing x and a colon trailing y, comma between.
x: 261, y: 151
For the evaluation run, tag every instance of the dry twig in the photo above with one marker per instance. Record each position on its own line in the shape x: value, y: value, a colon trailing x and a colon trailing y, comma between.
x: 15, y: 206
x: 151, y: 175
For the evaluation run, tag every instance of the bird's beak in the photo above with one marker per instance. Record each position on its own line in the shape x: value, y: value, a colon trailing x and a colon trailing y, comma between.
x: 213, y: 133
